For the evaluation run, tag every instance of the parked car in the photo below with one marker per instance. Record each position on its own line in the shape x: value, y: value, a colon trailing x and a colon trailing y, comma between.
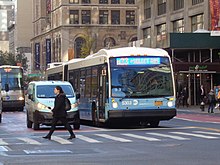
x: 40, y: 101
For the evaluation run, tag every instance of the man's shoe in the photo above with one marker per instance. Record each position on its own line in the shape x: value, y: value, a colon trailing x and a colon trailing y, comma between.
x: 71, y: 137
x: 47, y: 137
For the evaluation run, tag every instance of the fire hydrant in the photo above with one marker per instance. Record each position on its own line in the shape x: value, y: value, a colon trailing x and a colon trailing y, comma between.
x: 202, y: 106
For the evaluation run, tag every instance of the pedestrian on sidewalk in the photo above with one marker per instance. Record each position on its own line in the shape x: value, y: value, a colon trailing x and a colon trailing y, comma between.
x: 184, y: 94
x: 202, y: 93
x: 211, y: 101
x: 59, y: 113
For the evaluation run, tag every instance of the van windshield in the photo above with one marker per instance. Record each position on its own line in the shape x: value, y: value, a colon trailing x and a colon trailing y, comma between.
x: 47, y: 91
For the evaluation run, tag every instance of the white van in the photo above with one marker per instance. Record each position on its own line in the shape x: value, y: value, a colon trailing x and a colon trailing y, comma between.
x: 40, y: 101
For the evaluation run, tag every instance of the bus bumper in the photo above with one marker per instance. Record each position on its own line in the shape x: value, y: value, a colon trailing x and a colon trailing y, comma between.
x: 142, y: 114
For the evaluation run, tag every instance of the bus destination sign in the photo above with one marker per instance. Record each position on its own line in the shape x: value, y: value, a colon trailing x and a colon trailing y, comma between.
x: 138, y: 61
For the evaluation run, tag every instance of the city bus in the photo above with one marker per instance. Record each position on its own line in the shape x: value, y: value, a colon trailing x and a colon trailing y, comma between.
x: 12, y: 89
x: 123, y: 85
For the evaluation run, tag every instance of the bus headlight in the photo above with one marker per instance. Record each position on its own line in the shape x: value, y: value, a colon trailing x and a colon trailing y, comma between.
x: 21, y: 98
x: 115, y: 105
x: 170, y: 104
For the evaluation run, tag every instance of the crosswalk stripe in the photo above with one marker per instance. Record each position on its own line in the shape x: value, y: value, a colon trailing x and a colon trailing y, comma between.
x: 141, y: 137
x: 2, y: 142
x: 195, y: 135
x: 113, y: 138
x: 87, y: 139
x: 169, y: 136
x: 61, y: 140
x: 29, y: 140
x: 209, y: 133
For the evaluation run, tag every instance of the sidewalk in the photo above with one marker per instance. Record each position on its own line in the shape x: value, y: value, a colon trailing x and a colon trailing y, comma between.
x: 196, y: 109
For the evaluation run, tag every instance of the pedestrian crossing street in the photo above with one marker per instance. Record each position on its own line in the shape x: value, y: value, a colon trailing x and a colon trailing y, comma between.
x: 114, y: 137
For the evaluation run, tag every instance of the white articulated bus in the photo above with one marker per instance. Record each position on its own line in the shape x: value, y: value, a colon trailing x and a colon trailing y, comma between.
x: 131, y: 84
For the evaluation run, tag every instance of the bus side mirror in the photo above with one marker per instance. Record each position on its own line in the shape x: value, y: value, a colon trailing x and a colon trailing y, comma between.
x: 77, y: 96
x: 6, y: 87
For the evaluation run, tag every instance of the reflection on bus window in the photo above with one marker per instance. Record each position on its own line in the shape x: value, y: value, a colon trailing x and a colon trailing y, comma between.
x: 141, y: 82
x: 14, y: 80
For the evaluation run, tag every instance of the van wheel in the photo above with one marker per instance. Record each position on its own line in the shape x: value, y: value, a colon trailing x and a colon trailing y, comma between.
x: 76, y: 126
x: 154, y: 123
x: 29, y: 123
x: 21, y: 109
x: 36, y: 126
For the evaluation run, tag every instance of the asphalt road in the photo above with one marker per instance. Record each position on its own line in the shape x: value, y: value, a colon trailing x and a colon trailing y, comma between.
x: 184, y: 140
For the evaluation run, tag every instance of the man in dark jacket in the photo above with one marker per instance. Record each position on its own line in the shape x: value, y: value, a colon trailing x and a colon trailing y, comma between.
x: 59, y: 113
x: 211, y: 100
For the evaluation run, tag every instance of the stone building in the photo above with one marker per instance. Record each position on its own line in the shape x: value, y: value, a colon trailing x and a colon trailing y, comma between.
x: 60, y: 27
x: 189, y: 31
x: 6, y: 20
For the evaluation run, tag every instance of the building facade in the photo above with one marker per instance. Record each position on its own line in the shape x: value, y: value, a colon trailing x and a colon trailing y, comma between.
x: 189, y: 31
x: 6, y: 19
x: 61, y: 27
x: 20, y: 31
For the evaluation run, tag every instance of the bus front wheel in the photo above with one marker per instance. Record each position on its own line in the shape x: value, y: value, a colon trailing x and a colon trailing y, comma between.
x: 94, y: 114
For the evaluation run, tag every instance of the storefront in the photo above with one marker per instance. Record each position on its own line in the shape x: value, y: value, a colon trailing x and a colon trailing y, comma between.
x: 196, y: 62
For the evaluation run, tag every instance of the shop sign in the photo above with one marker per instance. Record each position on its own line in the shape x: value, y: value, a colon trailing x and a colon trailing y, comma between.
x: 199, y: 67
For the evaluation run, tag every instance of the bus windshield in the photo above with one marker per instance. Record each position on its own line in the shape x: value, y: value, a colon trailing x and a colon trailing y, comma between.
x: 139, y: 80
x: 13, y: 78
x: 47, y: 91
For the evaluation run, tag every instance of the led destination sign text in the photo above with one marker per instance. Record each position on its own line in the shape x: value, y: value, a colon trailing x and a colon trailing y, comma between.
x: 138, y: 61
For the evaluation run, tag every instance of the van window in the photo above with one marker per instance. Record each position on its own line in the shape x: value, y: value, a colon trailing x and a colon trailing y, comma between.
x: 47, y: 91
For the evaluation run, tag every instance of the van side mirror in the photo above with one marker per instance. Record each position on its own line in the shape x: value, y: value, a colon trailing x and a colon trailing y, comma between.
x: 77, y: 96
x: 30, y: 96
x: 6, y: 87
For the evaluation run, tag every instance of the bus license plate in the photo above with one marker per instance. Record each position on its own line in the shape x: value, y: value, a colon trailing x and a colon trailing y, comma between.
x: 158, y: 103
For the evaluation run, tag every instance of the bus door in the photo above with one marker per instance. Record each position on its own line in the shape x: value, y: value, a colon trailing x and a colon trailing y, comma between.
x: 102, y: 92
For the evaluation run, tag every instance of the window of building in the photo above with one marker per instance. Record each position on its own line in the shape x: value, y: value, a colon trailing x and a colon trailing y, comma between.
x: 130, y: 1
x: 197, y: 22
x: 103, y: 17
x: 161, y: 32
x: 85, y: 1
x: 115, y: 1
x: 74, y: 17
x: 74, y: 1
x: 103, y: 1
x: 147, y: 33
x: 115, y: 17
x: 178, y: 4
x: 161, y: 7
x: 178, y: 26
x: 109, y: 42
x: 147, y: 9
x: 130, y: 17
x: 194, y: 2
x: 86, y: 16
